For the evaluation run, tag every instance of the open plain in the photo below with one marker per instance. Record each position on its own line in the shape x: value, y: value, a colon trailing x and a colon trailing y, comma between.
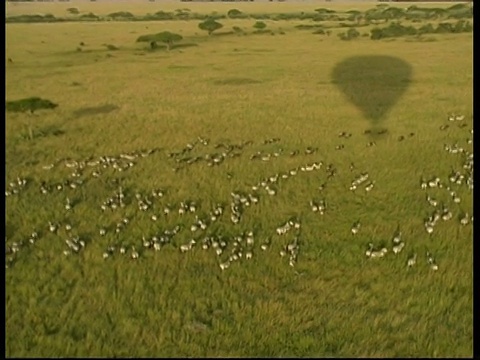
x: 253, y: 192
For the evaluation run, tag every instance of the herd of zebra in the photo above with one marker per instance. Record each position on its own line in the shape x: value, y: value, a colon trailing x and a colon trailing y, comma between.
x: 193, y: 223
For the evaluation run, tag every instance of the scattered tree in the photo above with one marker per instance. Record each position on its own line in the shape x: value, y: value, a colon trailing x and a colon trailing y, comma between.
x: 29, y: 104
x: 210, y: 25
x: 165, y: 37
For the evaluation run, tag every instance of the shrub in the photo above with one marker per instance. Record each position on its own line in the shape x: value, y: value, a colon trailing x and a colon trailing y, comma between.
x: 263, y: 31
x: 182, y: 14
x: 121, y: 14
x: 460, y: 11
x: 260, y: 16
x: 162, y: 15
x: 31, y: 18
x: 376, y: 34
x: 89, y: 16
x: 393, y: 13
x: 73, y: 11
x: 374, y: 15
x: 325, y: 11
x: 236, y: 14
x: 443, y: 28
x: 426, y: 29
x: 307, y: 26
x: 259, y: 25
x: 216, y: 16
x: 468, y: 27
x: 352, y: 33
x: 355, y: 16
x: 285, y: 16
x: 395, y: 29
x: 111, y: 47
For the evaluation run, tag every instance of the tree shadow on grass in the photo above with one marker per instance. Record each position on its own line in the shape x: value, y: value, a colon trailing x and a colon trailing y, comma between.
x: 95, y: 110
x: 236, y: 81
x: 373, y: 83
x: 162, y: 47
x: 183, y: 45
x: 224, y: 33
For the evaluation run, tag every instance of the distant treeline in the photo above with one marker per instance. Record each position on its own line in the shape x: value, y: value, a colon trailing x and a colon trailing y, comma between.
x: 246, y: 0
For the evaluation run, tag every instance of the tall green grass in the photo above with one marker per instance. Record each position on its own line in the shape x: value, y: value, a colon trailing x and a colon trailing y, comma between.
x: 233, y: 89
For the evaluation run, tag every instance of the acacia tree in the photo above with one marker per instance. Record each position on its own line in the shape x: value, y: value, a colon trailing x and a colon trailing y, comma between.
x: 165, y: 37
x: 31, y: 104
x: 210, y: 25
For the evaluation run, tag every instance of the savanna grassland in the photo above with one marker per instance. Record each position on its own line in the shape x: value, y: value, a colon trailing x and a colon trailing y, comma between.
x: 237, y: 117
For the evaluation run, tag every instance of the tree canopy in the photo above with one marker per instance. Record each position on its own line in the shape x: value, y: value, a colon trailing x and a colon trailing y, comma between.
x: 29, y: 104
x: 259, y: 25
x: 210, y: 25
x: 165, y: 37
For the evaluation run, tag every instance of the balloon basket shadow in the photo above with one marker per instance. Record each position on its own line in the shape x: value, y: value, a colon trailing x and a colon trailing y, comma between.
x: 376, y: 132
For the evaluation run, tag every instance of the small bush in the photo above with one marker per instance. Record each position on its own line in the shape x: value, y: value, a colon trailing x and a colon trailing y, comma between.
x: 31, y: 19
x: 325, y: 11
x: 443, y: 28
x: 260, y: 16
x: 307, y: 26
x: 392, y: 13
x: 236, y: 14
x: 460, y: 11
x: 262, y: 31
x: 89, y: 16
x: 426, y: 29
x: 351, y: 34
x: 111, y: 47
x: 285, y: 16
x: 121, y: 14
x: 162, y: 15
x: 393, y: 30
x: 259, y: 25
x: 216, y: 16
x: 468, y: 27
x: 182, y: 15
x: 376, y: 34
x: 73, y: 11
x: 375, y: 15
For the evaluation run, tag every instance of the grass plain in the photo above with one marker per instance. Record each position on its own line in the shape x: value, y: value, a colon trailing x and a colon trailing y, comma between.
x: 335, y: 302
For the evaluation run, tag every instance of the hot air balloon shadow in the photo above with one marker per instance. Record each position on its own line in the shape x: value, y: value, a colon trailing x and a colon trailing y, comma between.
x: 373, y: 83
